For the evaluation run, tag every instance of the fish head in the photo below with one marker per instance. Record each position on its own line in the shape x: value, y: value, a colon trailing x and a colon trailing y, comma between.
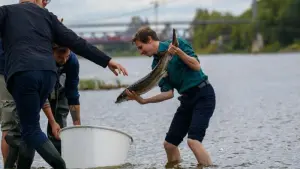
x: 122, y: 98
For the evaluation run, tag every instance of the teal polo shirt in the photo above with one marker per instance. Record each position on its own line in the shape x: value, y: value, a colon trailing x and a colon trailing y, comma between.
x: 180, y: 76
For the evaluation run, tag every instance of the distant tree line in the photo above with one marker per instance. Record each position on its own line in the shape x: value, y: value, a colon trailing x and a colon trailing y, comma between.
x: 278, y: 21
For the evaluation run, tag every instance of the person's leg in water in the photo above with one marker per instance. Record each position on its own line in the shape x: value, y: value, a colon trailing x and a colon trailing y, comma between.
x: 26, y: 156
x: 177, y: 131
x: 60, y: 109
x: 11, y: 159
x: 202, y: 112
x: 18, y: 151
x: 7, y: 124
x: 30, y: 90
x: 13, y: 140
x: 8, y: 112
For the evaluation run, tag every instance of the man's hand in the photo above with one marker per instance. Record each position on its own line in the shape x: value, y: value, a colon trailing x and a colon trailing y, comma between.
x: 133, y: 96
x: 173, y: 49
x: 54, y: 126
x: 76, y: 123
x: 113, y: 66
x: 55, y: 130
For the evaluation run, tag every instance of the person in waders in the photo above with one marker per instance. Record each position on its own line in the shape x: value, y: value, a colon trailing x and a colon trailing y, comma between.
x: 65, y: 96
x: 65, y: 93
x: 28, y: 31
x: 10, y: 124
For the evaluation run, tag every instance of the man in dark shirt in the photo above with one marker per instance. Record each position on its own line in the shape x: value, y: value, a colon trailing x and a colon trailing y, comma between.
x: 28, y: 32
x: 65, y: 96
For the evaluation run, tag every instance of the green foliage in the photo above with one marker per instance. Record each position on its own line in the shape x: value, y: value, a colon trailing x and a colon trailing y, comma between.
x: 291, y: 48
x: 277, y: 20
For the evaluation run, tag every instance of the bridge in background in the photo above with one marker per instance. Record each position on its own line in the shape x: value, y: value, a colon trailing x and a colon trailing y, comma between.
x: 196, y: 22
x: 111, y: 36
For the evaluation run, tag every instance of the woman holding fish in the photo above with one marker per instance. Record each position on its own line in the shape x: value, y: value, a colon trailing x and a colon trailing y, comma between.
x: 197, y: 96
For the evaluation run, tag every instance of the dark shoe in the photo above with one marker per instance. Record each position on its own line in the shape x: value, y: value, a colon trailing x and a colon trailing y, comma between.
x: 49, y: 153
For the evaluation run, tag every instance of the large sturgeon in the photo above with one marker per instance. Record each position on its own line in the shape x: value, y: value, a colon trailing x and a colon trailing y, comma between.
x: 152, y: 79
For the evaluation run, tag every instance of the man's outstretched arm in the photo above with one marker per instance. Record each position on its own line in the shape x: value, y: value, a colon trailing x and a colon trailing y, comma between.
x: 66, y: 37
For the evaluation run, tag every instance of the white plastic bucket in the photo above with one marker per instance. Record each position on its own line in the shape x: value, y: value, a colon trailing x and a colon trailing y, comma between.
x: 93, y: 146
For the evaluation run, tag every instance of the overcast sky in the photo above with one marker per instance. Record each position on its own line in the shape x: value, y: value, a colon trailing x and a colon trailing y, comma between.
x: 83, y: 11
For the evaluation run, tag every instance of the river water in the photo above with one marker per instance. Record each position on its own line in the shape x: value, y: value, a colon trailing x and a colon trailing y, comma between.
x: 256, y: 124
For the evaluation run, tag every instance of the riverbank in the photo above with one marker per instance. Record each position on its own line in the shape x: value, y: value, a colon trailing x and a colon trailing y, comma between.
x: 97, y: 84
x: 214, y: 49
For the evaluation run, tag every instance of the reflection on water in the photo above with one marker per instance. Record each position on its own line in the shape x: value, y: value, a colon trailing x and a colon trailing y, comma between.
x: 255, y: 124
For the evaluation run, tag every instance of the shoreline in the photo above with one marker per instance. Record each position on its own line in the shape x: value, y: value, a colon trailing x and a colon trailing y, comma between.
x: 97, y: 84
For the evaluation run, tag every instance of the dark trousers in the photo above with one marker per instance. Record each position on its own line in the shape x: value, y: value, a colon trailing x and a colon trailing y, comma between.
x: 30, y: 90
x: 60, y: 109
x: 193, y: 115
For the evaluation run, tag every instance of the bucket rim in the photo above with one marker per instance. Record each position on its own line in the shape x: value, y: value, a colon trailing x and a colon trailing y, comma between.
x: 98, y: 127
